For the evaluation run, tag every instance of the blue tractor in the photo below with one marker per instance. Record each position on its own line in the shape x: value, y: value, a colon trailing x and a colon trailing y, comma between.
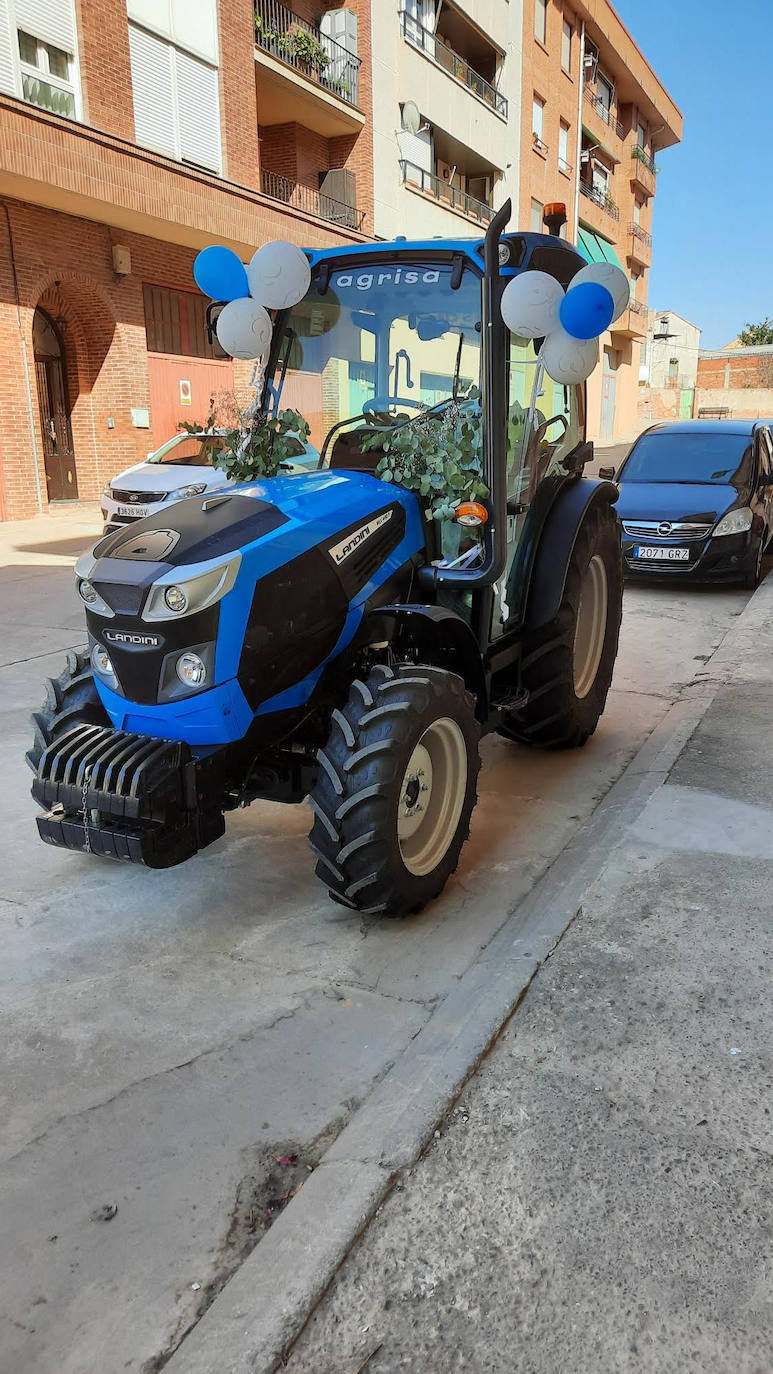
x: 316, y: 635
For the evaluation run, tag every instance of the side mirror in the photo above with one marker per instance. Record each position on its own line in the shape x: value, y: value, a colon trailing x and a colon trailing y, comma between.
x: 608, y: 474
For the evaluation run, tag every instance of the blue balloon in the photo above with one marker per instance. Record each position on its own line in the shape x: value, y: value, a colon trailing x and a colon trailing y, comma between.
x: 219, y: 273
x: 587, y: 310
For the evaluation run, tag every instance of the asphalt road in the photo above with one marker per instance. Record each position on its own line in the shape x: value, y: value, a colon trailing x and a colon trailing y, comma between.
x: 167, y: 1034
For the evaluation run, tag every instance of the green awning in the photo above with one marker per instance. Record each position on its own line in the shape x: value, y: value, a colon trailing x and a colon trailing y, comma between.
x: 596, y: 248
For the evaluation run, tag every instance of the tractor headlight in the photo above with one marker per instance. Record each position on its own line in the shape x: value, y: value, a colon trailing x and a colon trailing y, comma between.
x: 193, y: 489
x: 101, y: 662
x: 88, y: 592
x: 184, y: 591
x: 93, y: 600
x: 176, y: 599
x: 735, y: 522
x: 191, y: 670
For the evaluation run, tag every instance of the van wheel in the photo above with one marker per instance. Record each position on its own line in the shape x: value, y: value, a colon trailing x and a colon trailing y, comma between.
x: 396, y: 789
x: 567, y: 664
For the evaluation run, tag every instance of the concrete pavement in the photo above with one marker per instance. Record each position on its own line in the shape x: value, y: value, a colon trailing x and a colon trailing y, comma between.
x: 168, y: 1035
x: 599, y: 1197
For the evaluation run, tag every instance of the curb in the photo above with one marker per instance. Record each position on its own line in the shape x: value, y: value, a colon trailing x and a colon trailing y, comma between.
x: 254, y: 1321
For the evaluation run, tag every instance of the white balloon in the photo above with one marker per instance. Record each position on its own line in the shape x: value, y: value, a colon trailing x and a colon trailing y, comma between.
x: 530, y: 304
x: 569, y: 360
x: 244, y: 328
x: 279, y: 275
x: 613, y: 278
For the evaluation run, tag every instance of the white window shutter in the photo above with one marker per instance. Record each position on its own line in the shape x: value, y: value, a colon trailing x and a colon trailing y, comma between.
x: 51, y: 20
x: 153, y: 91
x: 198, y: 105
x: 7, y: 62
x: 416, y: 148
x: 153, y: 14
x: 194, y: 27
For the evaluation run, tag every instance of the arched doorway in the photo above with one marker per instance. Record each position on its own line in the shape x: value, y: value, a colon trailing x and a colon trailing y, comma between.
x: 58, y: 454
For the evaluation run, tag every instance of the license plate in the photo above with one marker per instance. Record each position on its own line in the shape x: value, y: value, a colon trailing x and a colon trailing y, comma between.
x: 137, y: 512
x: 653, y: 553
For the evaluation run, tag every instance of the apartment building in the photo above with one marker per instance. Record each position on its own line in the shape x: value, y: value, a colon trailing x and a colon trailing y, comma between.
x: 594, y: 118
x: 135, y: 132
x: 446, y: 100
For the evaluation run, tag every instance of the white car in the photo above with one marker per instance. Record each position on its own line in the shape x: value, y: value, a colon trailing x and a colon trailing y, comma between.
x: 181, y: 467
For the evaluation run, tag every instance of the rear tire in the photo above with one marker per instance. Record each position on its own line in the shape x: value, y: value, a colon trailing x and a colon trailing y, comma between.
x: 396, y: 789
x: 71, y: 699
x: 567, y: 664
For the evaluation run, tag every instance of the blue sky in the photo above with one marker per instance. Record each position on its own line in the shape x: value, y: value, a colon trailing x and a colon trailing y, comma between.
x: 713, y: 225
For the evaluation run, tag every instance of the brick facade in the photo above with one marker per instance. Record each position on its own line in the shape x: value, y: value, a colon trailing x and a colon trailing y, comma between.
x: 69, y: 192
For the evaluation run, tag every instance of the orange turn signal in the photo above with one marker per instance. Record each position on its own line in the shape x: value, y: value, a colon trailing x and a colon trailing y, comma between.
x: 471, y: 513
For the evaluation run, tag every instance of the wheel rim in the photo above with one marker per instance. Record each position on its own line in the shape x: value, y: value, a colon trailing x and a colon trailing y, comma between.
x: 431, y: 796
x: 591, y: 627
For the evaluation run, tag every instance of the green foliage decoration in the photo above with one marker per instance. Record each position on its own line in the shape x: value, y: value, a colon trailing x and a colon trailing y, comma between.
x: 438, y: 455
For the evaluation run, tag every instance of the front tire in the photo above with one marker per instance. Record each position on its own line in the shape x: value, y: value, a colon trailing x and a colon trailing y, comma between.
x: 396, y: 789
x: 751, y: 579
x: 71, y: 699
x: 567, y: 664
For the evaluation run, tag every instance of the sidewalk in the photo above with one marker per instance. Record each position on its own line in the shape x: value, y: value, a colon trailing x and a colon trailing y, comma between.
x: 599, y: 1198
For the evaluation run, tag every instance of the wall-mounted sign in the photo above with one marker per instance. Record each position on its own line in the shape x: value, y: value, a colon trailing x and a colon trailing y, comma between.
x: 186, y: 393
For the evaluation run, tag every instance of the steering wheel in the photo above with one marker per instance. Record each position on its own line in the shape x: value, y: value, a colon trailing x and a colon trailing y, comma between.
x: 382, y: 404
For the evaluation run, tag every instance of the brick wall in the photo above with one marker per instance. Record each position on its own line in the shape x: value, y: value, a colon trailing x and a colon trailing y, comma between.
x: 736, y: 368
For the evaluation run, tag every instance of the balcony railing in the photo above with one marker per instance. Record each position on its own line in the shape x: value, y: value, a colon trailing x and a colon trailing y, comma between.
x: 564, y: 166
x: 312, y: 202
x: 429, y: 43
x: 602, y: 110
x: 641, y: 156
x: 302, y: 46
x: 637, y: 308
x: 641, y: 234
x: 443, y: 191
x: 600, y: 198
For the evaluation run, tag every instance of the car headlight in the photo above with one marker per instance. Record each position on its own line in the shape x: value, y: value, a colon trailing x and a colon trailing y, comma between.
x: 194, y: 489
x: 735, y: 522
x: 107, y: 489
x: 199, y: 586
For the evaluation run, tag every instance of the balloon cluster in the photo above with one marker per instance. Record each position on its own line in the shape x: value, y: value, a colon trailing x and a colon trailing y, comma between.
x: 276, y: 277
x: 535, y: 306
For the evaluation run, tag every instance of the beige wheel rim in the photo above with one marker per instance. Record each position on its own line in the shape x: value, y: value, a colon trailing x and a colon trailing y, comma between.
x: 431, y: 796
x: 591, y: 627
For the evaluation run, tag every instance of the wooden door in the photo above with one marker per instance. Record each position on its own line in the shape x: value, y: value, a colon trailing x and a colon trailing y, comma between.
x: 56, y: 430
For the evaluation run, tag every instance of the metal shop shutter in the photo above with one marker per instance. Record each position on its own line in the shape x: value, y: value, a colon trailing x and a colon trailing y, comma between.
x: 152, y: 88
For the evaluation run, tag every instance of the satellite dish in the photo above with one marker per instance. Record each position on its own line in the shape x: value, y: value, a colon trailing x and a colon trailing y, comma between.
x: 411, y: 117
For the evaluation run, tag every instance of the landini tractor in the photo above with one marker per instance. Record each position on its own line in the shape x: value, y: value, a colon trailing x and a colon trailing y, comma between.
x: 320, y: 635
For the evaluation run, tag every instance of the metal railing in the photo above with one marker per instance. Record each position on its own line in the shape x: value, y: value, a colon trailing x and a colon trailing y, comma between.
x: 436, y: 48
x: 637, y: 308
x: 640, y: 156
x: 602, y: 110
x: 599, y: 198
x: 302, y: 46
x: 443, y: 191
x: 641, y: 234
x: 312, y: 202
x: 564, y: 166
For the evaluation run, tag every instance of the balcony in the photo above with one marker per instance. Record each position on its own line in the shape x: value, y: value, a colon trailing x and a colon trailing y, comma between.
x: 305, y: 76
x: 458, y: 67
x: 643, y: 171
x: 633, y: 322
x: 602, y: 110
x: 451, y: 197
x: 640, y: 245
x: 310, y: 202
x: 600, y: 198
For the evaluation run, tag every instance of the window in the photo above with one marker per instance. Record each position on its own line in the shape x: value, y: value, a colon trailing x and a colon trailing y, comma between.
x: 563, y: 147
x: 637, y: 212
x: 535, y: 224
x: 538, y: 120
x: 185, y: 124
x: 566, y: 46
x: 641, y: 137
x: 604, y: 96
x: 45, y: 75
x: 175, y: 322
x: 189, y: 24
x: 673, y: 371
x: 541, y: 20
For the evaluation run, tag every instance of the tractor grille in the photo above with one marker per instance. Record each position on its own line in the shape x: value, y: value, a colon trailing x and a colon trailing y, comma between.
x: 140, y: 498
x: 667, y: 529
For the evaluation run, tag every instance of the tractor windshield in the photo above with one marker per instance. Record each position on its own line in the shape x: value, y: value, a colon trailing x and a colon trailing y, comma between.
x: 387, y: 339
